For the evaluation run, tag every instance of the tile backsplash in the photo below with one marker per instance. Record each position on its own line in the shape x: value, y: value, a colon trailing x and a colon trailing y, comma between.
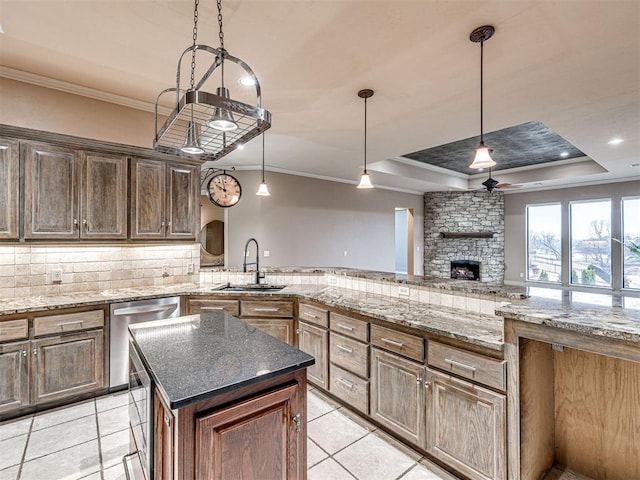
x: 28, y: 270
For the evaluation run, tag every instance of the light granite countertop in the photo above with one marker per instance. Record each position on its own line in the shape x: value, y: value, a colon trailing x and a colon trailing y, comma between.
x: 601, y: 315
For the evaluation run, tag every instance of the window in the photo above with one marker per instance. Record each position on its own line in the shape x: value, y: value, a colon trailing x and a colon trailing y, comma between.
x: 590, y: 243
x: 544, y: 259
x: 631, y: 241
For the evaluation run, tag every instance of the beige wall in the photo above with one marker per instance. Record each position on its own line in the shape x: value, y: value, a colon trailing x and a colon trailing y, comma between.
x: 39, y: 108
x: 310, y: 222
x: 515, y: 226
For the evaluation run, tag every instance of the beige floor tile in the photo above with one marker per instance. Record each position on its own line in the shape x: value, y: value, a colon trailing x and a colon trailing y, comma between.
x: 114, y: 420
x: 328, y: 470
x: 62, y: 436
x: 112, y: 401
x: 438, y: 471
x: 69, y: 464
x: 10, y: 473
x: 317, y: 406
x: 334, y: 431
x: 421, y: 473
x: 371, y: 458
x: 114, y: 446
x: 353, y: 416
x: 15, y: 428
x: 397, y: 444
x: 114, y: 473
x: 63, y: 415
x: 314, y: 453
x: 11, y: 451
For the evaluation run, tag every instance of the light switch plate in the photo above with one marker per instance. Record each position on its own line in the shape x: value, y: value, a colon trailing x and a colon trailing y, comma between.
x: 190, y: 269
x: 56, y: 275
x: 165, y: 270
x: 403, y: 291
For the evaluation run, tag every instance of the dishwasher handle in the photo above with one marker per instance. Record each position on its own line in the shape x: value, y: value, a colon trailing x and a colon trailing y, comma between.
x: 126, y: 311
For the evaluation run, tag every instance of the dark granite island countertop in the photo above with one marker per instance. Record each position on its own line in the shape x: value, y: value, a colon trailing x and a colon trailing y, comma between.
x: 197, y: 357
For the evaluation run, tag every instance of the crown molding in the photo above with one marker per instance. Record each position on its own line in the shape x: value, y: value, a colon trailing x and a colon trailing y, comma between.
x: 67, y: 87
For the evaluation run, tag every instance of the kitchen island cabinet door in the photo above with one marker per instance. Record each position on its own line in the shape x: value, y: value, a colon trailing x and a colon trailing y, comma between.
x: 397, y: 395
x: 51, y: 189
x: 148, y: 187
x: 315, y: 341
x: 9, y: 190
x: 260, y: 438
x: 104, y: 197
x: 14, y: 379
x: 466, y: 426
x: 67, y: 365
x: 182, y: 202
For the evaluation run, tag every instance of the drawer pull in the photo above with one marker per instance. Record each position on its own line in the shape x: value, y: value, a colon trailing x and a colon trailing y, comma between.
x: 266, y: 309
x: 345, y: 327
x: 66, y: 324
x: 346, y: 383
x: 392, y: 342
x: 344, y: 349
x: 211, y: 308
x: 453, y: 363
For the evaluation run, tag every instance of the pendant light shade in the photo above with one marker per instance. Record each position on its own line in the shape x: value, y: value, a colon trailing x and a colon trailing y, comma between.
x: 222, y: 119
x: 482, y: 158
x: 365, y: 180
x: 192, y: 140
x: 263, y: 191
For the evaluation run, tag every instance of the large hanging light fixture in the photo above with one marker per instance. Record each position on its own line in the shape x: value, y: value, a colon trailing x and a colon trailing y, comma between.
x: 365, y: 180
x: 206, y: 124
x: 483, y: 153
x: 263, y: 191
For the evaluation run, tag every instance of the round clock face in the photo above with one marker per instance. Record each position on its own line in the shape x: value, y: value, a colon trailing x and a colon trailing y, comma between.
x: 224, y: 190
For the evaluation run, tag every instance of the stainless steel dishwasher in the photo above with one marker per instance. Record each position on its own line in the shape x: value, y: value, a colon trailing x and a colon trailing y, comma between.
x: 121, y: 316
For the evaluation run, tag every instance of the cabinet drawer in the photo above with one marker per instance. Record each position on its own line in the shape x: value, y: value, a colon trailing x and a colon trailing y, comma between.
x: 311, y: 314
x: 473, y: 366
x: 350, y: 327
x: 350, y: 354
x: 403, y: 343
x: 68, y: 322
x: 14, y: 330
x: 252, y: 308
x: 197, y: 305
x: 350, y: 388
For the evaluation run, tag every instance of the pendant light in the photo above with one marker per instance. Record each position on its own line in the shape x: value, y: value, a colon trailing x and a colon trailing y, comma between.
x: 365, y: 180
x: 263, y: 191
x: 483, y: 153
x: 206, y: 124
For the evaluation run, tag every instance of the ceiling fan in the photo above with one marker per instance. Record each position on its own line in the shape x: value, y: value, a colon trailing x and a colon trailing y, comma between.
x: 491, y: 184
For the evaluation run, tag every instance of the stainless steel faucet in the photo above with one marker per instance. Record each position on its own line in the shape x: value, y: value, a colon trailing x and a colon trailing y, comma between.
x: 256, y: 263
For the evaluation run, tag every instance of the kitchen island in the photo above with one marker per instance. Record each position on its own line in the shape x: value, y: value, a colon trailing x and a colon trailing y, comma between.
x: 221, y: 399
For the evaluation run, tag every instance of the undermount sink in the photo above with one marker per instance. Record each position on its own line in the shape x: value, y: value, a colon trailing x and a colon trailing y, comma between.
x: 251, y: 288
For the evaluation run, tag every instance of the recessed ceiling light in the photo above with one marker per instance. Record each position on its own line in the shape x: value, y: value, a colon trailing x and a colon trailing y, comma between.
x: 564, y: 154
x: 240, y: 146
x: 247, y: 81
x: 615, y: 141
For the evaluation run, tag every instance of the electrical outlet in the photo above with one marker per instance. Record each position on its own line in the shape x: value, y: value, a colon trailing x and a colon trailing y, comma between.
x: 345, y: 253
x: 266, y: 253
x: 165, y: 270
x: 403, y: 291
x: 56, y: 276
x: 190, y: 268
x: 332, y: 280
x: 521, y: 275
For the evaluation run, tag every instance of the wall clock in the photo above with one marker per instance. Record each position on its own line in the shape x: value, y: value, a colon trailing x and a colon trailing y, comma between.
x: 224, y: 190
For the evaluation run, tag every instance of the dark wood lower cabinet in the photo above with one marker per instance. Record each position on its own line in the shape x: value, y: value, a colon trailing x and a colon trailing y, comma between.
x: 254, y: 439
x: 281, y: 328
x: 14, y: 378
x: 67, y: 365
x: 315, y: 341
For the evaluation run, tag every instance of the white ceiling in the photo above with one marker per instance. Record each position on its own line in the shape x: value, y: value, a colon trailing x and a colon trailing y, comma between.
x: 573, y: 65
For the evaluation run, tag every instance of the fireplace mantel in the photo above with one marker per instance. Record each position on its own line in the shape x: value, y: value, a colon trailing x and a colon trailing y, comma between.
x: 467, y: 234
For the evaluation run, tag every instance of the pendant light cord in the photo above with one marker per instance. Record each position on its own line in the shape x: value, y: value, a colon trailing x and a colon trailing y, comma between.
x: 221, y: 36
x: 481, y: 91
x: 195, y: 39
x: 263, y: 158
x: 365, y: 135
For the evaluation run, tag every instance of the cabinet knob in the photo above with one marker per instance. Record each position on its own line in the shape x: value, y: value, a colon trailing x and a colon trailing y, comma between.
x: 162, y: 224
x: 35, y: 351
x: 84, y: 222
x: 24, y: 353
x: 168, y: 224
x: 427, y: 384
x: 418, y: 380
x: 296, y: 422
x: 75, y: 222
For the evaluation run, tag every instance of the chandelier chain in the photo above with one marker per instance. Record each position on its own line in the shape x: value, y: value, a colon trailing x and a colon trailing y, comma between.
x: 365, y: 135
x: 481, y: 90
x: 221, y: 33
x: 195, y: 39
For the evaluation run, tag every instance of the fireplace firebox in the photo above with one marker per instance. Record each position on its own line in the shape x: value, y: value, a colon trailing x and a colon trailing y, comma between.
x: 465, y: 270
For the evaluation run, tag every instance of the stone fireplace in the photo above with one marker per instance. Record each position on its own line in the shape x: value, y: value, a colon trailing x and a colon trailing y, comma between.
x: 465, y: 270
x: 464, y: 226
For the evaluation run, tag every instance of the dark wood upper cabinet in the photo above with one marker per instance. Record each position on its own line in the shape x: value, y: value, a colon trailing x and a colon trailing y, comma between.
x: 104, y: 196
x: 9, y: 190
x: 164, y: 200
x: 51, y: 192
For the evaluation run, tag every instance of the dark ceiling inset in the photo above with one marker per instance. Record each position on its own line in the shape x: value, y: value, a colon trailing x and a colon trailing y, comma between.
x: 530, y: 143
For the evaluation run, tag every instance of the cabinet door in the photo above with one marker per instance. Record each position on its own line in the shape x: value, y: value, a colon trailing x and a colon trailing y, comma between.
x: 183, y: 201
x: 148, y: 188
x: 280, y: 328
x: 315, y: 341
x: 104, y: 196
x: 14, y: 380
x: 9, y: 191
x: 67, y: 365
x: 163, y: 424
x: 51, y: 188
x: 466, y: 426
x: 397, y: 395
x: 260, y: 438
